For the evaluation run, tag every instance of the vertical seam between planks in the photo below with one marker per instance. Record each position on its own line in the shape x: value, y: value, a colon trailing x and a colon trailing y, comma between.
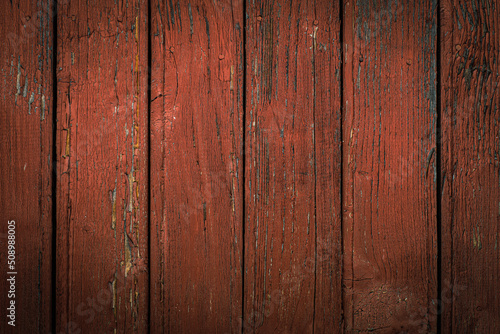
x: 315, y: 176
x: 438, y: 167
x: 148, y: 181
x: 451, y: 169
x: 243, y: 161
x: 342, y: 112
x: 54, y: 170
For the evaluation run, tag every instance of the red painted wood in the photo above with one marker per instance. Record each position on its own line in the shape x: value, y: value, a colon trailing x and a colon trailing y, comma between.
x: 292, y: 94
x: 196, y: 166
x: 390, y: 167
x: 304, y: 262
x: 470, y: 167
x: 102, y: 230
x: 26, y: 161
x: 327, y: 65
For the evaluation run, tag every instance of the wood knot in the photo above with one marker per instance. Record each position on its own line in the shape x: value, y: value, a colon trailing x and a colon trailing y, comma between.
x: 315, y: 22
x: 221, y: 57
x: 259, y: 18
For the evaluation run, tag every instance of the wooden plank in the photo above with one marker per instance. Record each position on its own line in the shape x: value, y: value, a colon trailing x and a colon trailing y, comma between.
x: 390, y: 239
x: 26, y: 161
x: 102, y: 230
x: 292, y: 81
x: 327, y: 67
x: 196, y: 166
x: 470, y: 103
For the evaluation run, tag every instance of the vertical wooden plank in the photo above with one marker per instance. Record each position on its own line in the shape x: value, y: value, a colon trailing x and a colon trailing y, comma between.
x: 390, y: 166
x: 26, y: 162
x: 470, y: 166
x: 102, y: 232
x: 328, y: 140
x: 280, y: 228
x: 292, y: 108
x: 196, y: 166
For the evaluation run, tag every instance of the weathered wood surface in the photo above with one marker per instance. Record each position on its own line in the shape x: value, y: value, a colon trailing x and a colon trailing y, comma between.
x: 196, y: 166
x: 26, y: 160
x: 470, y: 172
x: 102, y: 190
x: 390, y: 224
x: 327, y: 102
x: 293, y: 72
x: 293, y: 179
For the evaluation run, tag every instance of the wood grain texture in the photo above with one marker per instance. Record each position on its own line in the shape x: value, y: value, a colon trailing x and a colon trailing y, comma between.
x: 293, y: 179
x: 102, y: 230
x: 389, y: 161
x: 26, y: 160
x: 470, y: 166
x: 292, y: 80
x: 196, y: 166
x: 327, y: 70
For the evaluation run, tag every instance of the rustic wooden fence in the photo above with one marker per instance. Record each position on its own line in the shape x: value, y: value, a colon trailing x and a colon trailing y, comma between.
x: 251, y: 166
